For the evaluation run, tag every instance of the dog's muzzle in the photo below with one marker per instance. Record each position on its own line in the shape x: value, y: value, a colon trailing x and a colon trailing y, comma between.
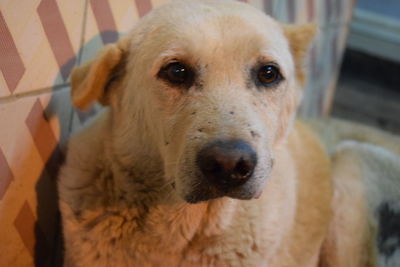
x: 227, y: 164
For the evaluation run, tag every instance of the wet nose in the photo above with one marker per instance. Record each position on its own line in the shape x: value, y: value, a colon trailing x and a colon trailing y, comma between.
x: 227, y: 163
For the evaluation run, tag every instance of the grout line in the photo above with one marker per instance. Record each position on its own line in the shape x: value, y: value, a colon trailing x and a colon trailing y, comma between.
x: 84, y: 21
x: 81, y: 45
x: 15, y: 97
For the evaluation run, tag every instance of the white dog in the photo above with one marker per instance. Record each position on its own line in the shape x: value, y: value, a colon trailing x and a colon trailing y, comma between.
x: 197, y: 159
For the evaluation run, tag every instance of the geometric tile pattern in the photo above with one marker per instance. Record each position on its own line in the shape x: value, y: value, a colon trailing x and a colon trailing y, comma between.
x: 41, y: 131
x: 57, y: 35
x: 41, y: 38
x: 5, y: 175
x: 43, y: 137
x: 143, y: 7
x: 32, y: 127
x: 11, y: 64
x: 38, y: 49
x: 25, y: 225
x: 104, y: 20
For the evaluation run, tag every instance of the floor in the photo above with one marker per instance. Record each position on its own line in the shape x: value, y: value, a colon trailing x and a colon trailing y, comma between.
x: 368, y: 91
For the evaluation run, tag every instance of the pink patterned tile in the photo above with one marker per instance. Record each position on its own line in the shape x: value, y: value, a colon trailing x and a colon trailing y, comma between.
x: 6, y: 175
x: 39, y: 45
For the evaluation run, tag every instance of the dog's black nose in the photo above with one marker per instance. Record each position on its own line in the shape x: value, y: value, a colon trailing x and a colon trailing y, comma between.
x: 227, y: 164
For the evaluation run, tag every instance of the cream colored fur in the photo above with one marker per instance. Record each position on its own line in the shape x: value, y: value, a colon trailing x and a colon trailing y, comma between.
x: 366, y: 174
x: 123, y: 185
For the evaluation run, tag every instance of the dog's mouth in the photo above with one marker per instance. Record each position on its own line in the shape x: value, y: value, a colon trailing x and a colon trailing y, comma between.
x: 211, y: 192
x: 203, y: 190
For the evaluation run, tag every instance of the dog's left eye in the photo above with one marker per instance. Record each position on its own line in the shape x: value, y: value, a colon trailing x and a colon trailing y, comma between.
x: 268, y: 75
x: 177, y: 73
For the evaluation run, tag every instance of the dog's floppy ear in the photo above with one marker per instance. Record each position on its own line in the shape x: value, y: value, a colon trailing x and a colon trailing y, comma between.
x: 300, y: 38
x: 93, y: 80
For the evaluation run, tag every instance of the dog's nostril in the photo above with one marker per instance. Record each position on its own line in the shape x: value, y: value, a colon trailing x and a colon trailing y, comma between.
x: 243, y: 169
x: 227, y: 164
x: 212, y: 167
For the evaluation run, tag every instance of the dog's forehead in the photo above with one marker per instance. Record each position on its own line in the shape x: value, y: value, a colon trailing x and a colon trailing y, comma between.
x: 216, y: 28
x: 232, y: 33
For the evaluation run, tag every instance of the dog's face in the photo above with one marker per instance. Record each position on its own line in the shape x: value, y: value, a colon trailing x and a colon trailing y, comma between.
x: 213, y: 85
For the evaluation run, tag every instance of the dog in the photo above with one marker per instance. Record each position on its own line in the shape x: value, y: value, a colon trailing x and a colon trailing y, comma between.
x: 197, y: 158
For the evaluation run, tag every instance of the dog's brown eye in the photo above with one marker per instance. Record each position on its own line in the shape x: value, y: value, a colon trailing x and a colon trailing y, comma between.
x: 268, y: 75
x: 177, y: 73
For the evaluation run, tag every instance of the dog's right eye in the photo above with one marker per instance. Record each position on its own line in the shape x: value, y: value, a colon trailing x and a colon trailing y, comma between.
x: 177, y: 74
x: 268, y: 75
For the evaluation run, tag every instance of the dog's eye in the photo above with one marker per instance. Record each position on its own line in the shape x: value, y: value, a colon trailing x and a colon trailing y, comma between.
x: 268, y: 75
x: 177, y: 73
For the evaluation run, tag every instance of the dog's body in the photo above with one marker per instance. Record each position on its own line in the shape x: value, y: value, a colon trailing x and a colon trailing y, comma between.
x: 136, y: 225
x: 137, y: 188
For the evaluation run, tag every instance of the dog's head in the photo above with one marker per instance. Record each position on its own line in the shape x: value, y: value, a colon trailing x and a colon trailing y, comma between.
x: 208, y: 87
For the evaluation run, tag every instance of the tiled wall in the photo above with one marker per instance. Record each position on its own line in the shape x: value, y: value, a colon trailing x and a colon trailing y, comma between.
x: 40, y: 42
